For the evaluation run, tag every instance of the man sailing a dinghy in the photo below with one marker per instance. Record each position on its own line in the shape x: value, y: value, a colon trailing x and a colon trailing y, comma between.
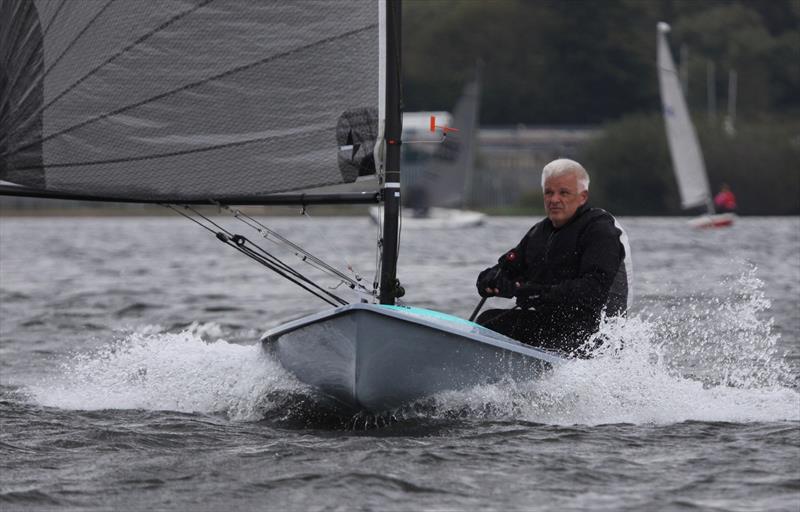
x: 565, y: 272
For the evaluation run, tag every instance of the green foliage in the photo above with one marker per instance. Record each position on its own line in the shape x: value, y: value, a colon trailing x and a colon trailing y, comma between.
x: 632, y: 172
x: 735, y: 37
x: 577, y: 62
x: 532, y: 201
x: 630, y: 168
x: 581, y: 62
x: 761, y: 164
x: 587, y: 55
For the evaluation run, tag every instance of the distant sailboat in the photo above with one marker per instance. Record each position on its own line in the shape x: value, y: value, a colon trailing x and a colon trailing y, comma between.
x: 687, y: 158
x: 436, y: 198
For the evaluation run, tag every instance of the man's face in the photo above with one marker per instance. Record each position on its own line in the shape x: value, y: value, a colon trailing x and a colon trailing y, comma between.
x: 562, y: 199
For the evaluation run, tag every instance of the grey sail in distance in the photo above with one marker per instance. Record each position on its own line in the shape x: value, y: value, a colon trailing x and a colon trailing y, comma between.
x: 188, y: 100
x: 443, y: 180
x: 687, y: 159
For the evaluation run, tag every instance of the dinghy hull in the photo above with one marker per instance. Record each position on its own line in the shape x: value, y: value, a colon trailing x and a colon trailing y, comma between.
x: 376, y: 358
x: 719, y: 220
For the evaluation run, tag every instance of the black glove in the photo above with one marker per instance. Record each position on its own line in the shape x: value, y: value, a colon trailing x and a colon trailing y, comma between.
x: 493, y: 278
x: 487, y: 279
x: 505, y: 287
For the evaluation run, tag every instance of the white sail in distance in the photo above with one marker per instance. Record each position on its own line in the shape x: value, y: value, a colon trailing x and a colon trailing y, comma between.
x: 687, y: 159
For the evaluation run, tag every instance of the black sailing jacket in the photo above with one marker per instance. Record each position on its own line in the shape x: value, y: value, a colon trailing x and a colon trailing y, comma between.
x: 570, y: 274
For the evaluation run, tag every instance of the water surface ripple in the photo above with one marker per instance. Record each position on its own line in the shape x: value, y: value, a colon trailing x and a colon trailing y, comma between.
x: 130, y: 378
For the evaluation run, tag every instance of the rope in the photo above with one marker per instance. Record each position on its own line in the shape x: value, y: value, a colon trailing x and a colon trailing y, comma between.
x: 301, y: 253
x: 260, y: 255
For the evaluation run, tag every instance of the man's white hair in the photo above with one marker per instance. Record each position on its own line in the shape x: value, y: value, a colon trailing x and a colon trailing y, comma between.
x: 564, y: 166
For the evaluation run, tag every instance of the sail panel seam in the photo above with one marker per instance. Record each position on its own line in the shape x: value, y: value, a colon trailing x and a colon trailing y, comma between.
x: 141, y: 39
x: 198, y: 83
x: 171, y: 154
x: 77, y: 38
x: 53, y: 19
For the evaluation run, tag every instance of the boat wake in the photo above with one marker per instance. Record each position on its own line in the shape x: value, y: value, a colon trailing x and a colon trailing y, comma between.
x: 695, y: 359
x: 699, y: 359
x: 171, y: 371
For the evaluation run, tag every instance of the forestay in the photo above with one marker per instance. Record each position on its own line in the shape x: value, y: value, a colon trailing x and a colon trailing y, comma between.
x: 189, y: 100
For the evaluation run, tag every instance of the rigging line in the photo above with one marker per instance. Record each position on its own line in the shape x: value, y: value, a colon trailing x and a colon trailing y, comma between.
x: 275, y: 264
x: 204, y: 81
x: 124, y: 50
x: 399, y: 230
x: 298, y: 279
x: 272, y: 258
x: 309, y: 259
x: 306, y: 284
x: 307, y: 256
x: 250, y: 253
x: 77, y: 37
x: 355, y: 280
x: 378, y: 250
x: 167, y: 155
x: 208, y: 220
x: 176, y: 210
x: 204, y: 226
x: 275, y: 260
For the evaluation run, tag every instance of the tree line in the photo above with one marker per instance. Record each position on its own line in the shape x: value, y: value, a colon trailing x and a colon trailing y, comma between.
x: 568, y: 62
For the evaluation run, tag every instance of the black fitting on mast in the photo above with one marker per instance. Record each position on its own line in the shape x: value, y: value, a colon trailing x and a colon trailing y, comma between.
x: 392, y: 136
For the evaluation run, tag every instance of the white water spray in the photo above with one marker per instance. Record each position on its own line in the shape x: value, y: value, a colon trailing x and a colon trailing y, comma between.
x: 700, y: 360
x: 178, y: 372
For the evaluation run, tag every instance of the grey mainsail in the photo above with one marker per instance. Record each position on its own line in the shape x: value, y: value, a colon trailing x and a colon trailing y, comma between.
x: 182, y: 100
x: 215, y: 100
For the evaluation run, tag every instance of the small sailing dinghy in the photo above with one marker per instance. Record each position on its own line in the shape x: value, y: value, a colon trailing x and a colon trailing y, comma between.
x: 687, y: 159
x: 234, y: 102
x: 374, y: 357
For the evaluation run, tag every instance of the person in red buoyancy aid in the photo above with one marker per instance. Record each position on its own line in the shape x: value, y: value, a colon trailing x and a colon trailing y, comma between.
x: 725, y: 201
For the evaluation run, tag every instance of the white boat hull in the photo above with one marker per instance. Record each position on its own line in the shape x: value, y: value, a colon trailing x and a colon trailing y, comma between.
x: 374, y: 358
x: 719, y: 220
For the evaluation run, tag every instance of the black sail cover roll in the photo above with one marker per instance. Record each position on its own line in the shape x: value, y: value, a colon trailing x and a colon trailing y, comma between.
x: 188, y: 99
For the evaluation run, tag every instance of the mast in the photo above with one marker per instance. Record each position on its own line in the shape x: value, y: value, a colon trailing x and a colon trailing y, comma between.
x: 394, y: 127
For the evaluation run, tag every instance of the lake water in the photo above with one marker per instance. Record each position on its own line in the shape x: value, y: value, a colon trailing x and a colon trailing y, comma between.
x: 130, y: 378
